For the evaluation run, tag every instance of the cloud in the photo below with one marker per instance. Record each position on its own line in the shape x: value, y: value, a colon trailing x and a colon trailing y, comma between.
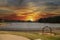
x: 6, y: 12
x: 37, y: 6
x: 14, y: 2
x: 10, y: 2
x: 52, y: 7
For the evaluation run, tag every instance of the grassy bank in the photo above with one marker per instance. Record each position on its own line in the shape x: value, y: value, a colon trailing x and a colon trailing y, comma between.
x: 32, y: 35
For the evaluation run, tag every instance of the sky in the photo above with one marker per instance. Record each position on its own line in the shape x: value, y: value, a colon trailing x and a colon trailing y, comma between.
x: 35, y: 8
x: 24, y: 2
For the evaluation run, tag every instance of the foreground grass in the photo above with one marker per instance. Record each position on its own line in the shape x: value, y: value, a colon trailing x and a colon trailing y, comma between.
x: 32, y: 35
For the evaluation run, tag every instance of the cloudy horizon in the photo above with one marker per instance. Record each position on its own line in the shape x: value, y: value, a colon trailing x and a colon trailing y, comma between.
x: 30, y: 9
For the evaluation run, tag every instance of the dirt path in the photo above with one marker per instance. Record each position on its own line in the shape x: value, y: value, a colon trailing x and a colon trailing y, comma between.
x: 11, y: 37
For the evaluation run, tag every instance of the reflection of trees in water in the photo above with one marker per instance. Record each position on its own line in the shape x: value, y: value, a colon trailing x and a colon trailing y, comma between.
x: 3, y: 23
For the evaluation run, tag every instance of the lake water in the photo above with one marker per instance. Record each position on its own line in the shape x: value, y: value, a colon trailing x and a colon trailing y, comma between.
x: 27, y: 26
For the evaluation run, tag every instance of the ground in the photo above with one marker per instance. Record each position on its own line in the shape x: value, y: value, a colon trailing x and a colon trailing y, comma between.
x: 32, y: 35
x: 12, y: 37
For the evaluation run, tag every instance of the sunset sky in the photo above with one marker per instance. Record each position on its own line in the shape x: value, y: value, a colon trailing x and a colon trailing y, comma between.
x: 29, y: 10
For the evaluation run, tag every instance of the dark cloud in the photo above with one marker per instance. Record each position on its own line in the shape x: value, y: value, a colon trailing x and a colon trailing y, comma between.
x: 52, y: 6
x: 10, y: 2
x: 14, y: 2
x: 23, y: 2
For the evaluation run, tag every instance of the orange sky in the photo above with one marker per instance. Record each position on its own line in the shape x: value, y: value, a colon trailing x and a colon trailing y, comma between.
x: 27, y: 16
x: 29, y: 13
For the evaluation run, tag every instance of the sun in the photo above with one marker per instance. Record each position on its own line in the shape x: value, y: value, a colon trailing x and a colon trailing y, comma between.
x: 31, y: 19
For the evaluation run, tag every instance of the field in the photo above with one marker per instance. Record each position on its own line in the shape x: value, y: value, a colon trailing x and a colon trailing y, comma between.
x: 33, y: 35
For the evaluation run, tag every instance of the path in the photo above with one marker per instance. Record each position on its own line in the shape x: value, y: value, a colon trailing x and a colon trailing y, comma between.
x: 12, y: 37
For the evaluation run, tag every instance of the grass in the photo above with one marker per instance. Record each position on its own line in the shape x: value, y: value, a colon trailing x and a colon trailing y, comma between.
x: 32, y: 35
